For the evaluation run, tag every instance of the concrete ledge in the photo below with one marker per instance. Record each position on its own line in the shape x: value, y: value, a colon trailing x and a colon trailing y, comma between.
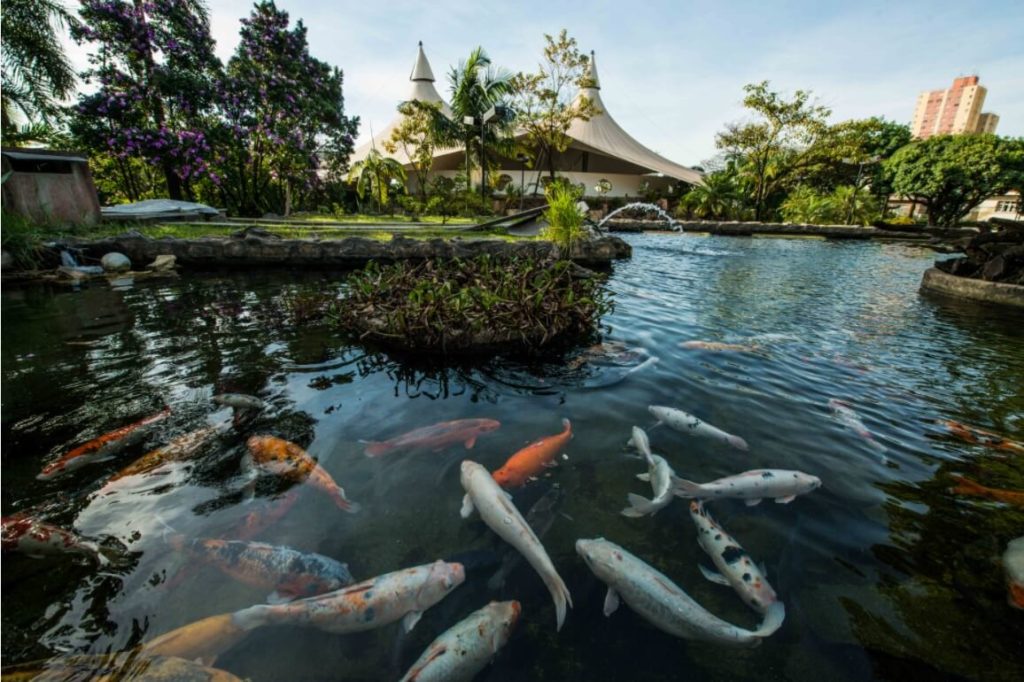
x: 746, y: 229
x: 939, y: 282
x: 351, y: 252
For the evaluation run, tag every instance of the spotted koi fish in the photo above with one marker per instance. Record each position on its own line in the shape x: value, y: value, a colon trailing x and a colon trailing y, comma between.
x: 466, y: 647
x: 36, y: 539
x: 287, y: 460
x: 661, y: 602
x: 735, y: 567
x: 781, y: 485
x: 972, y: 434
x: 289, y: 573
x: 533, y: 459
x: 103, y: 447
x: 688, y: 424
x: 401, y: 595
x: 1013, y: 564
x: 179, y: 449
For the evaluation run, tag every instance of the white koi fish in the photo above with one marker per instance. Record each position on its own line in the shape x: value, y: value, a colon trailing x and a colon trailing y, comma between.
x: 403, y: 595
x: 780, y: 485
x: 687, y: 423
x: 661, y: 602
x: 501, y: 516
x: 735, y: 567
x: 36, y: 539
x: 238, y: 401
x: 659, y: 474
x: 845, y: 415
x: 466, y: 647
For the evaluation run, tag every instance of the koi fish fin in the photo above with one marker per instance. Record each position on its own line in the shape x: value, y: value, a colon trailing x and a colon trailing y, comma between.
x: 414, y: 673
x: 785, y: 500
x: 279, y: 596
x: 754, y: 502
x: 773, y: 618
x: 560, y: 595
x: 375, y: 448
x: 737, y: 442
x: 470, y: 442
x: 764, y: 569
x: 714, y: 577
x: 684, y: 488
x: 638, y: 506
x: 646, y: 478
x: 467, y: 507
x: 611, y: 602
x: 252, y: 617
x: 410, y: 619
x: 345, y: 504
x: 567, y: 426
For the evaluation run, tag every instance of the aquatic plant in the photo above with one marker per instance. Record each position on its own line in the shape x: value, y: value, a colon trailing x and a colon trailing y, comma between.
x: 565, y: 221
x: 483, y: 304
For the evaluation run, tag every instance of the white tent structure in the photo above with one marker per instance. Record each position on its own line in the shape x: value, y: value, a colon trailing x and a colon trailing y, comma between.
x: 601, y: 152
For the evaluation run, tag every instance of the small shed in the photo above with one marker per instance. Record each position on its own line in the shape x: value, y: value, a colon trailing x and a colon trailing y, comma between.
x: 49, y: 186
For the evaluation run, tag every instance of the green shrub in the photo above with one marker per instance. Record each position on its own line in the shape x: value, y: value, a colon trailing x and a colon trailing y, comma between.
x: 565, y: 221
x: 478, y: 305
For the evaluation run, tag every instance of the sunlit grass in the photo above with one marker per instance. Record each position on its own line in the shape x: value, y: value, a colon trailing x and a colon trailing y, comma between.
x: 198, y: 230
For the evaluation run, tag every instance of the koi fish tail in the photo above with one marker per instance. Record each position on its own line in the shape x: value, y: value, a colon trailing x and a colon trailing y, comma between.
x: 253, y: 617
x: 737, y: 442
x: 639, y: 506
x: 560, y: 595
x: 687, y: 489
x: 773, y: 618
x: 345, y: 504
x: 375, y: 448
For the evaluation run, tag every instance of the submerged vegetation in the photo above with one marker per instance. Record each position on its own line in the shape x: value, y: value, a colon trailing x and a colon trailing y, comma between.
x: 478, y: 305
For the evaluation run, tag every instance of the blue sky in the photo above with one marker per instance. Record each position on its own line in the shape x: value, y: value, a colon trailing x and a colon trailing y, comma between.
x: 672, y: 72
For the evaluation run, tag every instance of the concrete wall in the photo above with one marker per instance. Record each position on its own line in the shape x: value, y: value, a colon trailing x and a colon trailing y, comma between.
x: 999, y: 293
x: 52, y: 198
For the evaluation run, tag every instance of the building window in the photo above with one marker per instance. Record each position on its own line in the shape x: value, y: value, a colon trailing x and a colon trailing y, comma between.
x: 1006, y: 207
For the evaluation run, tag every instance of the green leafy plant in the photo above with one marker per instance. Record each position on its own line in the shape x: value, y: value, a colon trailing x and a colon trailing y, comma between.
x: 471, y: 306
x: 565, y: 221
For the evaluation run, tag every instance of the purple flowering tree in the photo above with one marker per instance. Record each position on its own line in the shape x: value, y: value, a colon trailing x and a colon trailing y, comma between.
x: 283, y: 110
x: 155, y: 72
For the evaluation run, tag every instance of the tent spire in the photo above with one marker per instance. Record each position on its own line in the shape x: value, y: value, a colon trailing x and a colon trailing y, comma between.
x: 421, y: 69
x: 591, y: 74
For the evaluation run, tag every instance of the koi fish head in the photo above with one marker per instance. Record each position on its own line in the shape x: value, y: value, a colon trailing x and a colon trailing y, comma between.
x: 468, y: 470
x: 605, y: 559
x: 805, y: 482
x: 442, y: 578
x: 52, y: 470
x: 504, y: 614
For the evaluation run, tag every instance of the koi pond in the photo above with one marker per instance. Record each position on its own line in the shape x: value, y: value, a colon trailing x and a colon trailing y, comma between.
x: 818, y: 357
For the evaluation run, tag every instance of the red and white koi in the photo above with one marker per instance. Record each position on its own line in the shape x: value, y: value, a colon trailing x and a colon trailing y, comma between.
x: 844, y: 414
x: 36, y: 539
x: 661, y: 602
x: 103, y: 447
x: 735, y: 567
x: 435, y: 437
x: 287, y: 460
x: 781, y: 485
x: 501, y: 516
x: 659, y: 474
x: 291, y: 574
x: 466, y: 647
x: 687, y: 423
x: 401, y: 595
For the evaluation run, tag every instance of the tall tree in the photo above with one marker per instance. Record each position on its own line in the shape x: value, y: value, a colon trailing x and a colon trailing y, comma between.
x: 416, y: 137
x: 36, y: 72
x: 547, y: 101
x: 155, y: 68
x: 285, y: 117
x: 951, y: 174
x: 779, y: 144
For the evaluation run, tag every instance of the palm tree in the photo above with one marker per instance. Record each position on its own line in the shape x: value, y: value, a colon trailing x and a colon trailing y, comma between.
x: 718, y: 197
x: 36, y: 72
x: 854, y: 206
x: 374, y: 175
x: 476, y: 86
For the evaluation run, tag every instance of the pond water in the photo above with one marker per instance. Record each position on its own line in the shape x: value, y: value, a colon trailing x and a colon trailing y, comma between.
x: 885, y: 573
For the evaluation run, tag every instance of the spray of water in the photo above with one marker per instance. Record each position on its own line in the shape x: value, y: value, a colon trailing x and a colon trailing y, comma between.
x: 672, y: 224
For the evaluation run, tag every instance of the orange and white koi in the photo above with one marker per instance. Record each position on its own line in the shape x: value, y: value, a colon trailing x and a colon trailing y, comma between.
x: 735, y: 567
x: 34, y: 538
x: 1013, y: 564
x: 179, y: 449
x: 464, y: 649
x: 688, y: 424
x: 972, y: 434
x: 103, y: 447
x: 501, y: 516
x: 291, y: 574
x: 966, y: 486
x: 781, y: 485
x: 401, y: 595
x: 435, y: 437
x: 533, y: 459
x: 286, y: 459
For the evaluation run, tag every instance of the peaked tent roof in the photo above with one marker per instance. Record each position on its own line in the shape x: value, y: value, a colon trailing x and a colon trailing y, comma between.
x: 603, y: 134
x: 422, y: 90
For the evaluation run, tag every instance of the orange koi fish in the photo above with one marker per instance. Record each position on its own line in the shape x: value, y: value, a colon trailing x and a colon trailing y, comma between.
x: 289, y: 573
x: 966, y: 486
x: 435, y: 437
x: 287, y: 460
x: 103, y: 447
x: 532, y: 459
x: 127, y: 665
x: 255, y: 522
x: 181, y: 448
x: 972, y: 434
x: 201, y: 641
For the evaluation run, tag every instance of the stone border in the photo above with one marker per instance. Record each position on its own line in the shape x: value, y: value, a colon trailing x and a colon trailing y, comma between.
x: 265, y: 250
x: 1000, y: 293
x: 750, y: 228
